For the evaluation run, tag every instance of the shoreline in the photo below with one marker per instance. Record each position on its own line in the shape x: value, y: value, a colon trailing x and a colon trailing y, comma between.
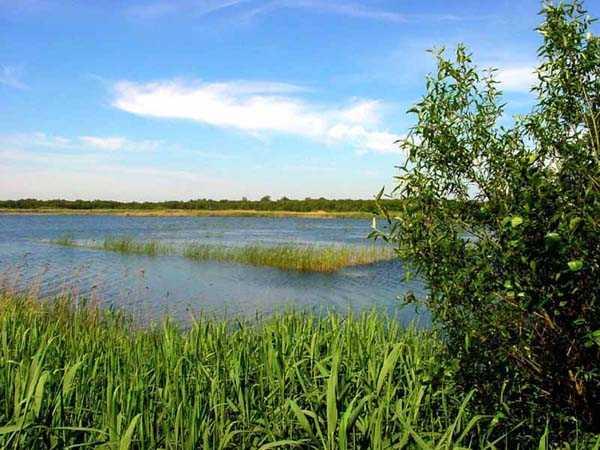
x: 186, y: 213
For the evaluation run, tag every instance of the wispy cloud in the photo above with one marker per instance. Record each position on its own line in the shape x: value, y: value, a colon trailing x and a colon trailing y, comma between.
x: 115, y: 143
x: 352, y: 9
x: 36, y: 139
x: 255, y: 108
x: 254, y: 8
x: 11, y: 76
x: 331, y: 7
x: 161, y: 8
x: 39, y: 140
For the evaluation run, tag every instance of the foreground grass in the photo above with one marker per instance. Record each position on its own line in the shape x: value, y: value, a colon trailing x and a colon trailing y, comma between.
x: 286, y: 257
x: 188, y: 213
x: 75, y: 376
x: 79, y: 375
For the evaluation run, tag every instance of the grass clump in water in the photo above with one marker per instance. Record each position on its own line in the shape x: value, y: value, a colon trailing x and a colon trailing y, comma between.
x: 73, y: 375
x: 290, y: 257
x: 319, y: 258
x: 65, y: 240
x: 119, y: 244
x: 130, y: 245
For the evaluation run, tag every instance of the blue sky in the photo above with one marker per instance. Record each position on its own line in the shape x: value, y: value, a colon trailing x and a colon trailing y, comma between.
x: 155, y: 100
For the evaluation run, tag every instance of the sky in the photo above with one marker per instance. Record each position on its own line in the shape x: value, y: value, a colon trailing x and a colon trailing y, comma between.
x: 183, y: 99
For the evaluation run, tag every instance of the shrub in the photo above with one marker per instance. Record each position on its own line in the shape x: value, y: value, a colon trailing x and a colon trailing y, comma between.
x: 502, y: 224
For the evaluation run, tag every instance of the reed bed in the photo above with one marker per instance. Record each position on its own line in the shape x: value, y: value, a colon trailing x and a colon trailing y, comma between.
x: 77, y: 375
x: 290, y: 257
x: 320, y: 258
x: 129, y: 245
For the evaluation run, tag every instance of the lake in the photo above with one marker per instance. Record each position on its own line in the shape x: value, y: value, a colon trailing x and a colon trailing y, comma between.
x: 153, y: 286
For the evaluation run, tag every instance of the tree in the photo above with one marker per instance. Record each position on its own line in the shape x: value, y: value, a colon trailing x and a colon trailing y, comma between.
x: 502, y: 225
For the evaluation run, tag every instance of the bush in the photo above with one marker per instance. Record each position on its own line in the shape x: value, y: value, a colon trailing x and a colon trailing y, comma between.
x: 502, y: 224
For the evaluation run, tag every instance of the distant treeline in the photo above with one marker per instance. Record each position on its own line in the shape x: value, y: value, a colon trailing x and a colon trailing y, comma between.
x: 265, y: 204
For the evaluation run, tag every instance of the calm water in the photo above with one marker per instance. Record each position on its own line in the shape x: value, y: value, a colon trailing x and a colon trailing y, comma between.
x: 154, y: 286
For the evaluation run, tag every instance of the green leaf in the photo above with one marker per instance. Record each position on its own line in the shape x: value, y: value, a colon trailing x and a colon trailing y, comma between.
x: 332, y: 412
x: 574, y: 222
x: 543, y: 444
x: 595, y: 335
x: 8, y: 429
x: 388, y: 366
x: 68, y: 378
x: 516, y: 221
x: 302, y: 419
x: 283, y: 443
x: 127, y: 437
x: 575, y: 265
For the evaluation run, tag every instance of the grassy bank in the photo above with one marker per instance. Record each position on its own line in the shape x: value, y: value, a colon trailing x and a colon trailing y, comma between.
x: 79, y: 375
x: 287, y: 257
x: 187, y: 213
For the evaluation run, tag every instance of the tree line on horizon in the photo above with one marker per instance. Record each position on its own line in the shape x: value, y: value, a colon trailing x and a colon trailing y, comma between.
x: 264, y: 204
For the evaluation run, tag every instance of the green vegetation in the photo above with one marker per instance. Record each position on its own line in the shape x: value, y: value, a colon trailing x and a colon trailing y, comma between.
x: 225, y: 207
x: 129, y: 245
x: 322, y: 258
x: 190, y: 213
x: 289, y: 257
x: 76, y: 375
x: 66, y: 241
x: 515, y: 285
x: 513, y: 360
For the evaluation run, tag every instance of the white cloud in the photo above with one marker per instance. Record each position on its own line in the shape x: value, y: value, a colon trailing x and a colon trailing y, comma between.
x: 36, y: 139
x: 235, y: 105
x: 256, y: 107
x: 517, y: 78
x: 363, y: 139
x: 118, y: 143
x: 363, y: 112
x: 11, y: 76
x: 106, y: 143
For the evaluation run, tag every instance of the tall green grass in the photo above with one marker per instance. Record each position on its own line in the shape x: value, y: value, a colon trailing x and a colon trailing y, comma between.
x: 290, y: 257
x: 78, y: 375
x: 75, y: 376
x: 320, y: 258
x: 129, y: 245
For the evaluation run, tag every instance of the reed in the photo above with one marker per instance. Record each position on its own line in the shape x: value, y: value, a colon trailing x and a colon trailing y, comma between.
x: 130, y: 245
x: 289, y: 257
x: 71, y: 374
x: 65, y: 240
x: 321, y: 258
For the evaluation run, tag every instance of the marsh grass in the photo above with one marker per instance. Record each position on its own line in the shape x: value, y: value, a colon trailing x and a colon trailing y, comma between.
x: 290, y: 257
x: 130, y: 245
x: 320, y: 258
x: 80, y: 375
x: 65, y: 240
